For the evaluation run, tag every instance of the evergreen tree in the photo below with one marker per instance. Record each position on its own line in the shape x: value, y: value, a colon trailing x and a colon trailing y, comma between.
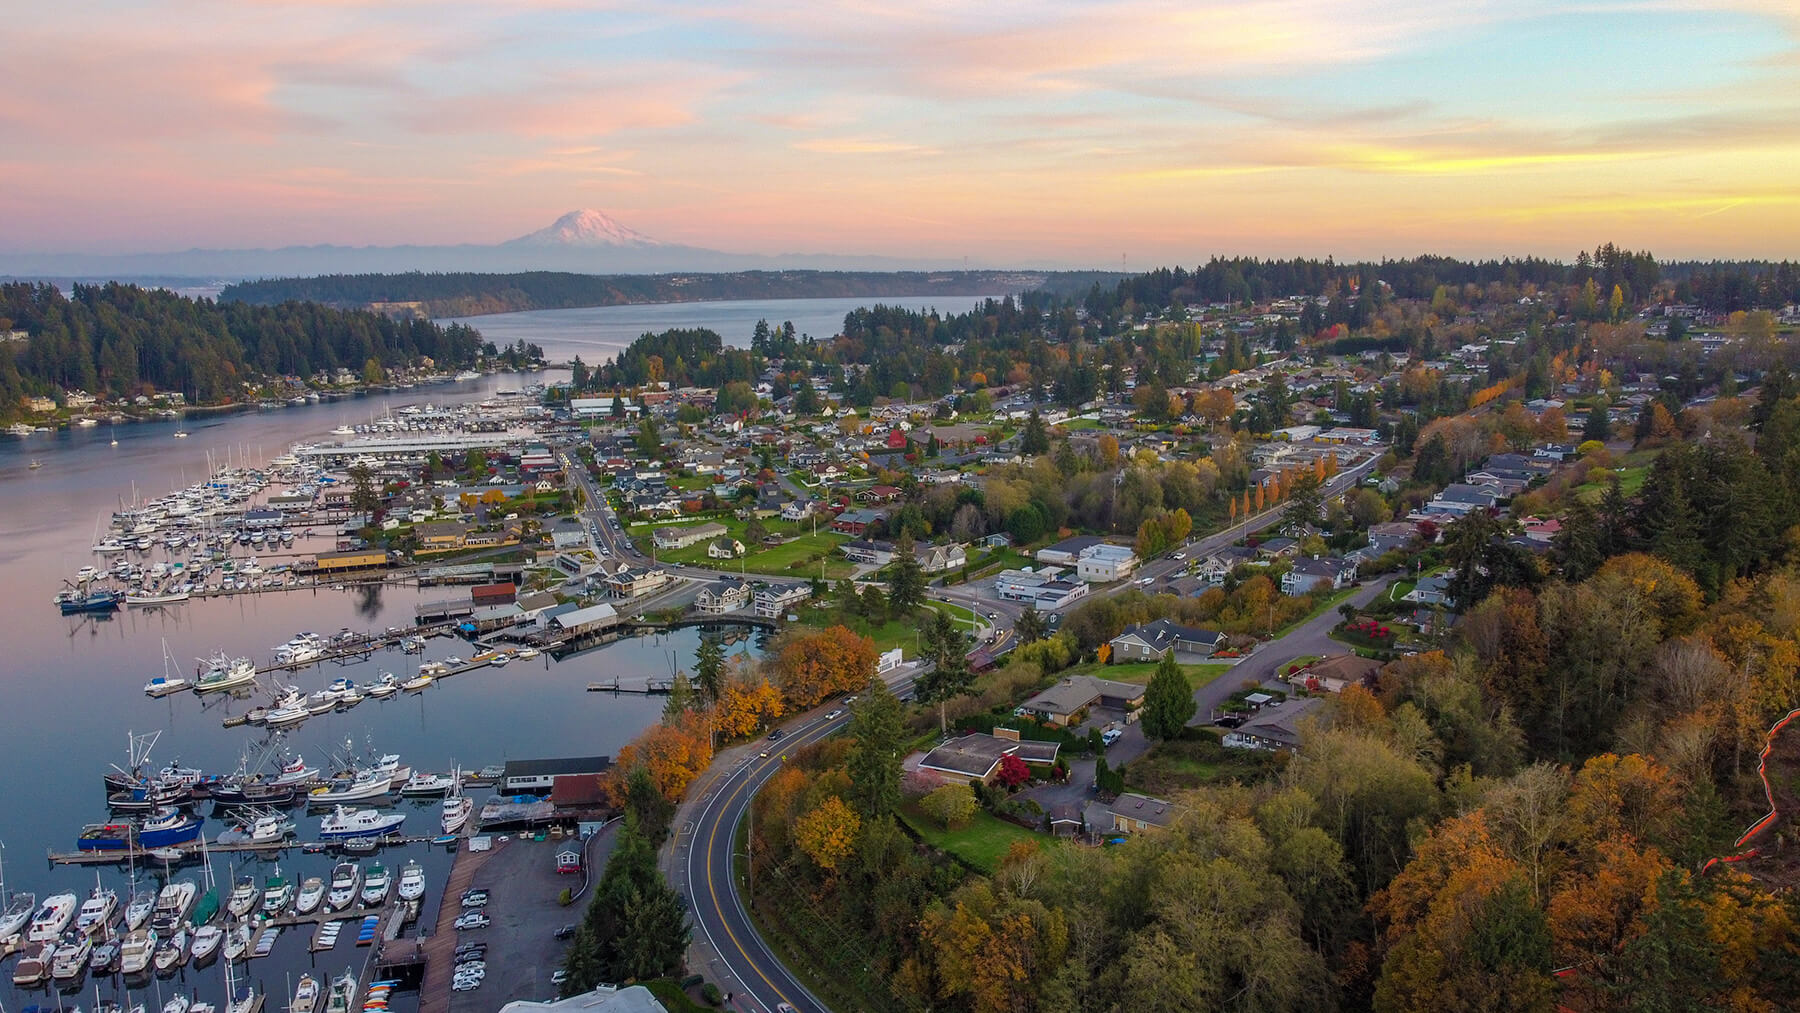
x: 1030, y: 625
x: 709, y: 668
x: 1598, y: 425
x: 950, y: 676
x: 681, y: 697
x: 1036, y: 438
x: 635, y: 926
x: 1579, y: 541
x: 906, y: 578
x: 1168, y: 701
x: 1303, y: 505
x: 1666, y: 516
x: 875, y: 754
x: 649, y: 807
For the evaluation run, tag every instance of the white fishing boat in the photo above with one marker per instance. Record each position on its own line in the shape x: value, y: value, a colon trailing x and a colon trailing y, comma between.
x: 295, y: 771
x: 223, y: 673
x: 453, y: 815
x: 423, y: 784
x: 412, y: 881
x: 311, y: 895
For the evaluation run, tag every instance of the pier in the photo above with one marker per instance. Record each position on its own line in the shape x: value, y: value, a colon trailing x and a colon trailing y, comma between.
x: 653, y: 687
x: 193, y: 851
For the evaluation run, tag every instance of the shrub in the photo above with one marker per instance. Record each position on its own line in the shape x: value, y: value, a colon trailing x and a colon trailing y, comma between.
x: 949, y: 805
x: 710, y: 992
x: 565, y: 898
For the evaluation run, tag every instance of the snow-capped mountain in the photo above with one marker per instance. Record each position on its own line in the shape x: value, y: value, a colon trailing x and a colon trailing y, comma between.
x: 586, y: 227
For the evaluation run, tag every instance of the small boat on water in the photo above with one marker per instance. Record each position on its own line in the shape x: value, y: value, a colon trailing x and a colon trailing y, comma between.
x: 207, y: 939
x: 346, y: 880
x: 243, y: 897
x: 345, y: 823
x: 223, y: 673
x: 365, y: 785
x: 266, y: 941
x: 343, y: 993
x: 34, y: 964
x: 384, y: 686
x: 417, y: 683
x: 97, y: 911
x: 104, y: 958
x: 16, y: 916
x: 171, y: 952
x: 412, y: 881
x: 93, y: 601
x: 35, y: 464
x: 137, y: 949
x: 423, y: 784
x: 162, y: 686
x: 306, y: 995
x: 454, y: 813
x: 237, y: 942
x: 311, y: 895
x: 52, y: 918
x: 137, y: 910
x: 527, y: 653
x: 376, y: 885
x: 295, y: 771
x: 277, y: 893
x: 172, y: 905
x: 178, y: 1003
x: 69, y: 961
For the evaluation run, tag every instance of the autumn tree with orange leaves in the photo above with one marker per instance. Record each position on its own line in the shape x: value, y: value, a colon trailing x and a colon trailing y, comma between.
x: 811, y: 666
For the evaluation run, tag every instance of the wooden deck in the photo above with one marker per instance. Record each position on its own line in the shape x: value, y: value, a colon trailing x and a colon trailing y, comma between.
x: 439, y: 949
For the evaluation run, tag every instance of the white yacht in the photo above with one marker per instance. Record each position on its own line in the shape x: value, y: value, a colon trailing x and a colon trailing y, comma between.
x: 346, y: 880
x: 312, y: 893
x: 412, y: 881
x: 376, y: 885
x: 52, y: 918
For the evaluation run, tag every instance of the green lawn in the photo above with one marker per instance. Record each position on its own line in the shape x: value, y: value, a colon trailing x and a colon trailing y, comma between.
x: 982, y: 842
x: 905, y: 633
x: 1140, y: 672
x: 797, y: 558
x: 1077, y: 425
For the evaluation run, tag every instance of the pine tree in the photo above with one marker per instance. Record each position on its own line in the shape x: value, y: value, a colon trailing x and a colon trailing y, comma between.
x: 1168, y: 701
x: 709, y: 668
x: 874, y: 761
x: 1598, y: 425
x: 906, y: 580
x: 950, y: 676
x: 1035, y: 439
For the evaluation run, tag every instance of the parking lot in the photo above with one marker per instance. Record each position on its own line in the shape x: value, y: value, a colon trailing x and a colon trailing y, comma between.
x: 522, y: 949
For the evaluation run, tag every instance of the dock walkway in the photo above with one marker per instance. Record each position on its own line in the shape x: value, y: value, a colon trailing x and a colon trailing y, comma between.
x: 439, y: 949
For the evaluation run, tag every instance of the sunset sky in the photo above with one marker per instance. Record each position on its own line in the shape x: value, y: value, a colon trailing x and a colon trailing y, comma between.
x: 1003, y: 131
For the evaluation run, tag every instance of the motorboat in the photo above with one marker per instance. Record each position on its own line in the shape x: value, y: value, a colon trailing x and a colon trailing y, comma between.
x: 291, y: 712
x: 52, y: 918
x: 171, y: 952
x: 70, y: 959
x: 172, y: 905
x: 385, y: 686
x: 346, y: 880
x: 345, y: 823
x: 207, y: 939
x: 306, y: 995
x: 243, y: 897
x: 295, y: 771
x: 412, y: 881
x: 137, y: 910
x: 156, y: 598
x: 137, y: 949
x: 423, y: 783
x: 97, y: 911
x: 34, y: 964
x: 93, y: 601
x: 104, y: 958
x: 267, y: 828
x: 343, y: 993
x: 312, y: 893
x: 455, y: 813
x: 178, y: 1003
x: 376, y: 885
x: 16, y: 916
x: 321, y: 702
x: 417, y: 683
x: 148, y: 798
x: 277, y: 893
x: 500, y: 660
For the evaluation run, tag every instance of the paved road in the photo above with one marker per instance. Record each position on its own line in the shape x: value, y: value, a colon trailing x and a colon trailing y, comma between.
x: 727, y: 947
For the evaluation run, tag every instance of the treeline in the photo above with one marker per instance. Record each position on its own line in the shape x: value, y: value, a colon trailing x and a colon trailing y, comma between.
x: 1730, y: 286
x: 472, y: 294
x: 121, y: 340
x: 679, y: 357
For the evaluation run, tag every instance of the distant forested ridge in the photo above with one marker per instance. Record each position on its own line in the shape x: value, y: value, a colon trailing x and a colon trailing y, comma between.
x: 121, y: 340
x: 466, y: 295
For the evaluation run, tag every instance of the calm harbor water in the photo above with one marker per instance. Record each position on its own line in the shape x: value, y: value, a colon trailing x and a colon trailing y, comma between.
x: 73, y: 685
x: 600, y: 332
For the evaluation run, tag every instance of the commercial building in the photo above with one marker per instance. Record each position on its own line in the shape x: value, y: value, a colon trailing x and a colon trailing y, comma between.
x: 1103, y: 564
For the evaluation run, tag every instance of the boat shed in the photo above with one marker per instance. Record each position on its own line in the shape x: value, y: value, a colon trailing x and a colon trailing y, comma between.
x: 585, y: 620
x: 540, y: 776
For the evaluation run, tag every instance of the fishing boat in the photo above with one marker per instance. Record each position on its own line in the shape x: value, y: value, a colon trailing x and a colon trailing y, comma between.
x: 223, y: 673
x: 376, y: 885
x: 306, y: 995
x: 34, y: 964
x: 137, y: 910
x: 295, y: 771
x: 277, y: 893
x: 343, y: 993
x: 427, y: 784
x: 69, y: 960
x: 237, y: 942
x: 345, y: 823
x: 454, y: 813
x: 243, y: 897
x: 93, y: 601
x: 164, y: 828
x: 207, y: 939
x: 346, y: 880
x: 311, y: 895
x: 365, y: 785
x: 171, y: 952
x: 137, y: 949
x: 412, y: 881
x: 52, y: 918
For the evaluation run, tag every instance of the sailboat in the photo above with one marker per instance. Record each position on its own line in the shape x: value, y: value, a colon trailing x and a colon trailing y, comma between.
x: 115, y: 436
x: 17, y: 909
x: 35, y: 464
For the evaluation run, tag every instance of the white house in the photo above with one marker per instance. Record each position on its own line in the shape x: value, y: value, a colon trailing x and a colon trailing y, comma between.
x: 681, y: 538
x: 724, y: 547
x: 1103, y: 564
x: 1308, y: 574
x: 723, y: 596
x: 775, y: 602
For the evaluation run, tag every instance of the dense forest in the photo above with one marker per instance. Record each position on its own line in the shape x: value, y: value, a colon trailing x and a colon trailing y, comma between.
x: 121, y: 340
x: 459, y: 295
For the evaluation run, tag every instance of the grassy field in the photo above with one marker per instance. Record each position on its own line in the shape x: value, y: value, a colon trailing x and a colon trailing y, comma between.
x: 981, y: 842
x: 797, y: 558
x: 903, y: 633
x: 1140, y: 672
x: 1176, y: 766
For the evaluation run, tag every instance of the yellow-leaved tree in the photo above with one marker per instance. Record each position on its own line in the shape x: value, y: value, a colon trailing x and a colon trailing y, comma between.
x: 828, y: 833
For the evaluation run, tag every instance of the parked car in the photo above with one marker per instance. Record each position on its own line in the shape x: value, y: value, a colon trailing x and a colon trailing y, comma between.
x: 473, y: 920
x: 567, y: 931
x: 474, y: 898
x: 1111, y: 736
